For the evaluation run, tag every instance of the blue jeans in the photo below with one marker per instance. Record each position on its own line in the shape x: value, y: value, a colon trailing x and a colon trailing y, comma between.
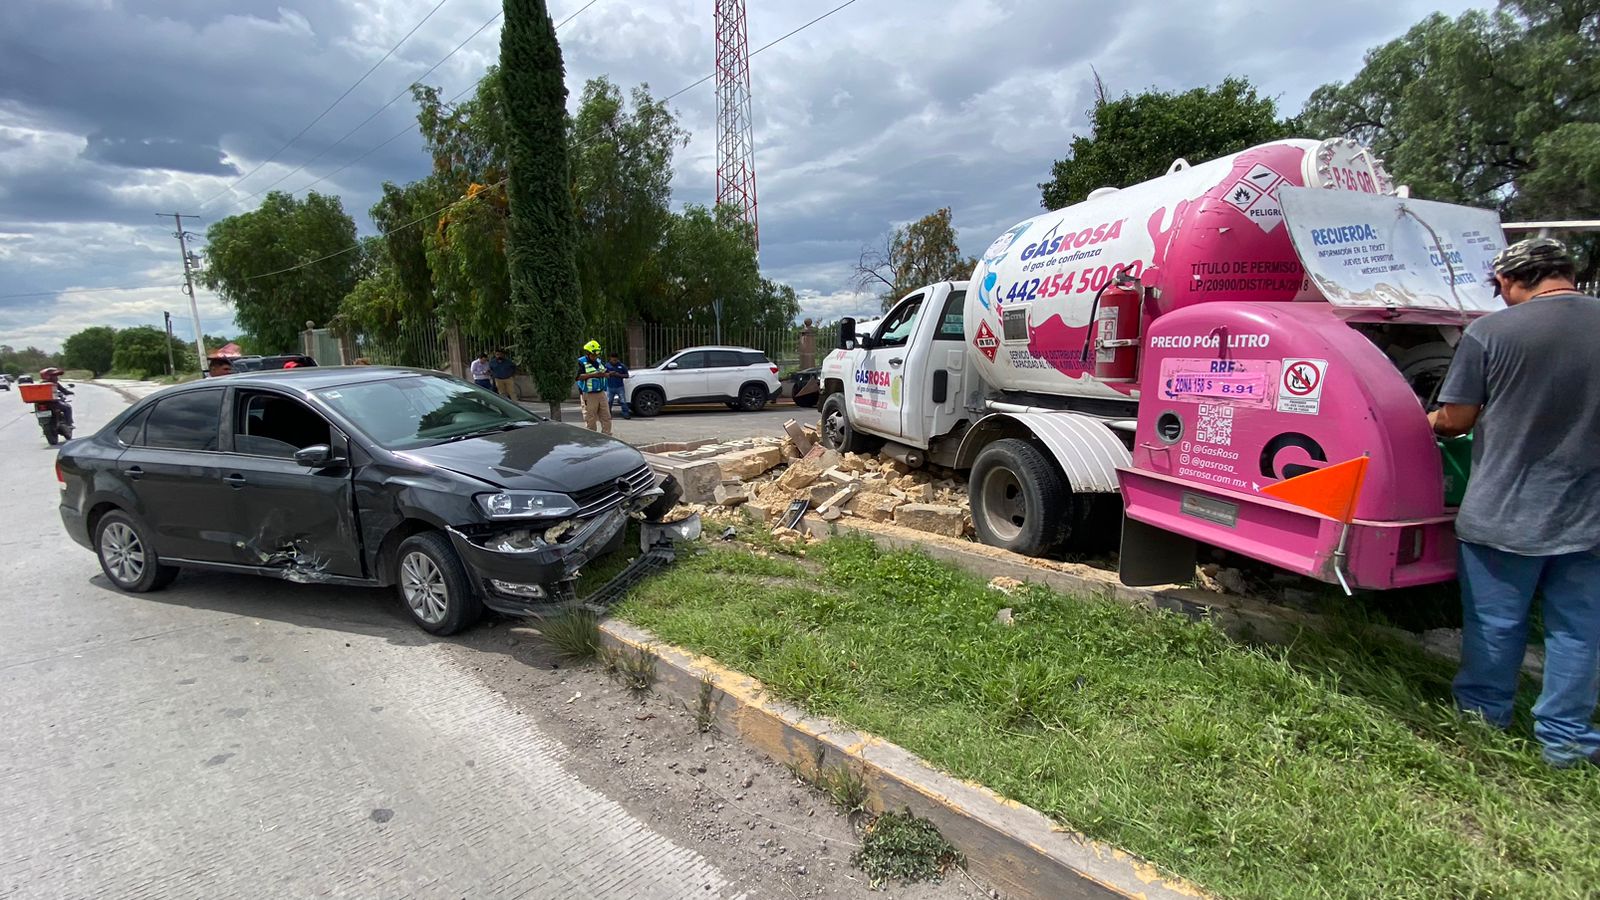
x: 614, y: 394
x: 485, y: 383
x: 1497, y: 590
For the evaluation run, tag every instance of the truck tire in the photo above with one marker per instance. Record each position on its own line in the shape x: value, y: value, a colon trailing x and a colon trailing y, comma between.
x: 1424, y: 367
x: 836, y: 431
x: 1020, y: 501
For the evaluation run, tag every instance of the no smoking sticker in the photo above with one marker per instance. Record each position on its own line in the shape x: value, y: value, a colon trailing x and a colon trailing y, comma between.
x: 1300, y: 386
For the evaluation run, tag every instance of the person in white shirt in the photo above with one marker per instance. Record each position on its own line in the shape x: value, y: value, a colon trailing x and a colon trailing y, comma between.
x: 480, y: 372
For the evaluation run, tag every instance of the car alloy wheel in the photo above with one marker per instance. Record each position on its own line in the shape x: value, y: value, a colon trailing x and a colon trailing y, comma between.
x: 423, y: 586
x: 122, y: 552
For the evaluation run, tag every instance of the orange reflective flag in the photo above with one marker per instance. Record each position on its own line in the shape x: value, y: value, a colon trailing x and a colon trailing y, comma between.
x: 1331, y: 490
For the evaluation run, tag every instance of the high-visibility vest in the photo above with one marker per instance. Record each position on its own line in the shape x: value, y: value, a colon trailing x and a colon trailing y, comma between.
x: 590, y: 385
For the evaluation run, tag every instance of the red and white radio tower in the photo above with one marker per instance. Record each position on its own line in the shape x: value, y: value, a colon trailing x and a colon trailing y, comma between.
x: 736, y: 155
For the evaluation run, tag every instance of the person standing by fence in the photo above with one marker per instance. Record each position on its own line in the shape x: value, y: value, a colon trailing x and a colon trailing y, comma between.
x: 480, y: 372
x: 592, y: 389
x: 504, y: 373
x: 617, y: 373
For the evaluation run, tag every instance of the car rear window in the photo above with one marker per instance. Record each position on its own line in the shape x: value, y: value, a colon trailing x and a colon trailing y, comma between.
x: 187, y: 421
x: 754, y: 358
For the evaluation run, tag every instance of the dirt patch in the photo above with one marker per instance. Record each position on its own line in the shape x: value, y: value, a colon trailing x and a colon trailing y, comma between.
x: 770, y: 834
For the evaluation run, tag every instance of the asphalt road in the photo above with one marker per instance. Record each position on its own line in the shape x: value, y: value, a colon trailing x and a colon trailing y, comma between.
x: 242, y: 737
x: 689, y: 423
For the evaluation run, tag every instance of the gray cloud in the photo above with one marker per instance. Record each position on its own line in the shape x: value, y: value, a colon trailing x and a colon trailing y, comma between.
x: 111, y: 111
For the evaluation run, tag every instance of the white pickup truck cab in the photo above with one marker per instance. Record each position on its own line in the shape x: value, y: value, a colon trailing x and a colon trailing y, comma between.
x: 1038, y: 477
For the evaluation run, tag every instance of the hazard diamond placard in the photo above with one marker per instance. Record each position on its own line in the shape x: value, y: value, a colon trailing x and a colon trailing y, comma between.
x: 985, y: 341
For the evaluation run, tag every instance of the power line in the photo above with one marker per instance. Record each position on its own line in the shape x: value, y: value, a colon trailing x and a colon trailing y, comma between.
x: 406, y: 130
x: 301, y: 133
x: 457, y: 202
x: 99, y: 290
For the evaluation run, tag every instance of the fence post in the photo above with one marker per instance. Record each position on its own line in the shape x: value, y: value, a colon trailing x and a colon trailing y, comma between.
x: 455, y: 351
x: 638, y: 358
x: 808, y: 345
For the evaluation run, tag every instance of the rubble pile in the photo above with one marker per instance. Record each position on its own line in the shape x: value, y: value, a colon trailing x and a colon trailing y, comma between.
x: 765, y: 478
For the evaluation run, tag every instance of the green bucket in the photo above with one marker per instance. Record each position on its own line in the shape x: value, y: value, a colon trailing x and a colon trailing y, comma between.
x: 1456, y: 453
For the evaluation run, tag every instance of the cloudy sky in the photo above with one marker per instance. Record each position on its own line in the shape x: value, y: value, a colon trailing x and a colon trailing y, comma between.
x: 114, y: 110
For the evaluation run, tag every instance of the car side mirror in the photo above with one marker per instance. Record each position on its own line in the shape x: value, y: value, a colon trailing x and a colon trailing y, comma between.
x: 316, y: 456
x: 672, y: 365
x: 847, y: 333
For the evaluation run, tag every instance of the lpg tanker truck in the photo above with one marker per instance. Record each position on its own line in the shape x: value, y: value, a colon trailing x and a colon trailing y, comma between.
x: 1155, y: 358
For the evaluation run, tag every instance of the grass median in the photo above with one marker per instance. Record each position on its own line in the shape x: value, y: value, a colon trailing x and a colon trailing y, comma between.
x: 1334, y: 767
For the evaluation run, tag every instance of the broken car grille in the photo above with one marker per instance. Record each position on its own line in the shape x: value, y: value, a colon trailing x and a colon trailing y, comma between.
x: 602, y: 497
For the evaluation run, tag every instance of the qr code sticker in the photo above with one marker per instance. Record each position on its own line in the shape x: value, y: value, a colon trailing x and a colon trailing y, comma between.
x: 1215, y: 425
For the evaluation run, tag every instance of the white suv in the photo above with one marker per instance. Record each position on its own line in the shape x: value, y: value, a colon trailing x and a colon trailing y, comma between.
x: 738, y: 376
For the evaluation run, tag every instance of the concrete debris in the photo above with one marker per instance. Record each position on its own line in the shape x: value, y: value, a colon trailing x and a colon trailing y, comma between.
x: 837, y: 498
x: 1005, y: 584
x: 802, y: 441
x: 1004, y: 617
x: 744, y: 465
x: 945, y: 520
x: 800, y: 475
x: 789, y: 450
x: 873, y: 507
x: 838, y: 475
x: 734, y: 494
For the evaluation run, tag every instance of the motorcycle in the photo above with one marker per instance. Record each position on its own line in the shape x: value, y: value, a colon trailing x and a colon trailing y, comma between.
x: 51, y: 409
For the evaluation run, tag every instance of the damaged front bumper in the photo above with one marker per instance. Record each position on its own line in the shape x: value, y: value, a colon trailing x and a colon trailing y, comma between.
x: 524, y: 569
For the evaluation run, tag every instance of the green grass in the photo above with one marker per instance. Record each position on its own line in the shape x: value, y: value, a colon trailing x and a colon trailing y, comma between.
x: 1334, y: 767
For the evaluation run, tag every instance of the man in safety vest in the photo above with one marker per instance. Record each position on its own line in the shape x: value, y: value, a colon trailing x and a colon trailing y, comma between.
x: 592, y: 389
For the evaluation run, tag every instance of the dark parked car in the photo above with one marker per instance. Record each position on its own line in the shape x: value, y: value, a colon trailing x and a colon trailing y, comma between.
x: 265, y: 363
x: 364, y: 476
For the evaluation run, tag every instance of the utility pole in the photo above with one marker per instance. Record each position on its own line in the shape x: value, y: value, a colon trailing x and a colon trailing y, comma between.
x: 188, y: 281
x: 171, y: 369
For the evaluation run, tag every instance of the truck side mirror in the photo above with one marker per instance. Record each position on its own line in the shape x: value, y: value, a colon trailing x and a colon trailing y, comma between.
x: 847, y: 333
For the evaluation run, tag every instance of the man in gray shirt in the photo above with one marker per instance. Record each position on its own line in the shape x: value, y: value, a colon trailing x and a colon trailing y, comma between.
x: 1526, y: 379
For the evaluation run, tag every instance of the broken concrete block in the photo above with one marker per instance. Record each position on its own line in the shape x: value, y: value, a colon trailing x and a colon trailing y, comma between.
x: 945, y: 520
x: 874, y: 507
x: 730, y: 494
x: 756, y: 513
x: 698, y: 479
x: 831, y: 514
x: 922, y: 493
x: 830, y: 458
x: 797, y: 434
x: 854, y: 462
x: 837, y: 498
x: 743, y: 465
x: 820, y: 493
x: 1005, y: 584
x: 789, y: 450
x: 838, y: 475
x: 1004, y: 617
x: 800, y: 474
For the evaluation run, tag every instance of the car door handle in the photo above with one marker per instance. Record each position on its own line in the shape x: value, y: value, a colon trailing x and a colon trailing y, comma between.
x: 234, y: 480
x: 134, y: 473
x: 896, y: 361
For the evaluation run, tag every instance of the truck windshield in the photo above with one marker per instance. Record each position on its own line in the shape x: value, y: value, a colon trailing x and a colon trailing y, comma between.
x: 417, y: 411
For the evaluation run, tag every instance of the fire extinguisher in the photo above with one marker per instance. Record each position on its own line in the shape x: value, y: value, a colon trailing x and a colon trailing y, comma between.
x: 1114, y: 337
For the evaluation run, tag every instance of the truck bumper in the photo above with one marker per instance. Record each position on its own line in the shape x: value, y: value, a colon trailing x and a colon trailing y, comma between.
x: 1378, y: 555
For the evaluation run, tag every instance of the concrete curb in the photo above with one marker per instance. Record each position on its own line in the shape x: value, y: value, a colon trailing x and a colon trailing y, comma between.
x: 1012, y: 847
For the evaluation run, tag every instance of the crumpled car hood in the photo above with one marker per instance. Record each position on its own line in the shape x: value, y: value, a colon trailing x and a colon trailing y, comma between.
x: 546, y: 456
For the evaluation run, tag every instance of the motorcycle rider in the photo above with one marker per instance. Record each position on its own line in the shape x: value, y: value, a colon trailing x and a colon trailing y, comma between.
x: 52, y: 375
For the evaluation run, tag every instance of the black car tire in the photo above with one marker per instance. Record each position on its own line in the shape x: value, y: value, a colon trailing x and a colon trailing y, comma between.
x: 836, y: 431
x: 433, y: 585
x: 123, y: 548
x: 647, y: 402
x: 753, y: 397
x: 1019, y: 499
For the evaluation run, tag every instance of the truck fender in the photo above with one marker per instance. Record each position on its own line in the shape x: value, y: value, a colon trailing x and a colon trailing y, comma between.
x: 1088, y: 450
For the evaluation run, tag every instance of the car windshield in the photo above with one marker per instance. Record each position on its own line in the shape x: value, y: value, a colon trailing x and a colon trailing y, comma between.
x: 421, y: 410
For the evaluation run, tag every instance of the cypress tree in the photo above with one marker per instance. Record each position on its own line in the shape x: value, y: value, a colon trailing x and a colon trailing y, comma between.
x: 541, y: 231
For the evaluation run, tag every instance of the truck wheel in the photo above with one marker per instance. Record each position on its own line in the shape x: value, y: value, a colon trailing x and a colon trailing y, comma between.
x: 837, y: 433
x: 1424, y: 367
x: 433, y: 584
x: 647, y: 402
x: 1019, y: 500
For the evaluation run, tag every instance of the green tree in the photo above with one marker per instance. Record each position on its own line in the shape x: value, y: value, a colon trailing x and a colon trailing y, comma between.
x: 923, y: 252
x: 91, y: 349
x: 1493, y: 108
x: 28, y: 359
x: 1136, y: 137
x: 142, y: 351
x: 282, y: 265
x: 542, y: 240
x: 622, y: 186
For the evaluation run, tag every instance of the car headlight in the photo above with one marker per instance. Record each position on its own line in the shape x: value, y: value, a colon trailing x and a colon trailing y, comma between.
x: 526, y: 505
